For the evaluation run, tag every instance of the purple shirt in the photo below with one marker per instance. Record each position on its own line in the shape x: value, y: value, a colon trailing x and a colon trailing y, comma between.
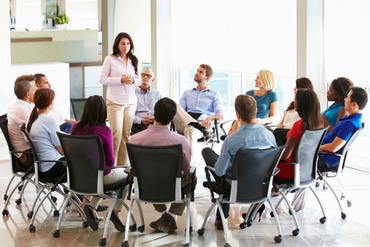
x: 161, y: 135
x: 106, y: 139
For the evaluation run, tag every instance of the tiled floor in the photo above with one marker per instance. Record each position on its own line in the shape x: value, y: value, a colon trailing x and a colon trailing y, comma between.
x: 353, y: 231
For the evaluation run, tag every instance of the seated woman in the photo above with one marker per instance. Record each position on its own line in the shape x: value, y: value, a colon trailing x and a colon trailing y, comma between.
x: 290, y: 114
x: 43, y: 131
x: 266, y: 98
x: 338, y: 90
x: 307, y: 105
x: 93, y: 122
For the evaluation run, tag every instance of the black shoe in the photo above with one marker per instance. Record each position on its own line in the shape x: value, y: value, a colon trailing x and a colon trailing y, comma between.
x: 167, y: 224
x: 101, y: 208
x: 92, y: 221
x: 155, y: 224
x: 117, y: 223
x: 208, y: 135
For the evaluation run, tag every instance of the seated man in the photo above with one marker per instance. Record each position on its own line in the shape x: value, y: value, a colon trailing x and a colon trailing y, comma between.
x: 64, y: 124
x: 146, y: 99
x: 334, y: 141
x: 250, y: 134
x: 18, y: 114
x: 159, y: 134
x: 201, y: 103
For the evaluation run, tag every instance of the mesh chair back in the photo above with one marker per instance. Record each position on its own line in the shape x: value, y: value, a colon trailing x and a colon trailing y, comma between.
x: 307, y: 153
x: 253, y: 169
x: 156, y: 169
x: 17, y: 166
x: 78, y: 107
x: 346, y: 147
x: 85, y: 157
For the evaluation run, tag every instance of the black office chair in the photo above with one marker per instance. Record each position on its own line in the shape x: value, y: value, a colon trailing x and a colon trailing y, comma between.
x: 156, y: 172
x: 45, y: 185
x: 85, y: 173
x: 305, y: 170
x: 24, y: 173
x: 336, y: 172
x: 78, y: 107
x: 251, y: 183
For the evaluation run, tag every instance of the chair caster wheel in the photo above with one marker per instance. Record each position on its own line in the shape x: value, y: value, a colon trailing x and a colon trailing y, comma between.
x: 85, y: 224
x: 132, y: 228
x: 278, y: 239
x: 103, y: 242
x: 20, y: 187
x: 349, y: 204
x: 317, y: 184
x: 5, y: 197
x: 18, y: 201
x: 343, y: 215
x: 125, y: 244
x: 30, y: 214
x: 141, y: 228
x: 243, y: 225
x: 56, y: 213
x: 5, y: 212
x: 32, y: 228
x: 272, y: 214
x: 249, y: 223
x: 323, y: 220
x: 227, y: 245
x: 54, y: 199
x: 295, y: 232
x: 201, y: 232
x: 185, y: 245
x: 56, y: 234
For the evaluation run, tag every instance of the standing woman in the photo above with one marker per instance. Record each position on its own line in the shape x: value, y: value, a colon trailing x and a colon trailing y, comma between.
x: 43, y: 131
x: 119, y: 73
x: 266, y: 98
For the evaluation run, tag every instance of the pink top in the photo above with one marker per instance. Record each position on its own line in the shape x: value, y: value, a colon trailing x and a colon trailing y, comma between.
x: 161, y: 135
x: 113, y: 68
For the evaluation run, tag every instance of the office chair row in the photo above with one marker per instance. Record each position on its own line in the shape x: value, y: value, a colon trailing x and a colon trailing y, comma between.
x: 251, y: 184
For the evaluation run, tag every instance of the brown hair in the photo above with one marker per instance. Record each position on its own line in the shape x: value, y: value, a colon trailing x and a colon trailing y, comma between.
x: 43, y: 98
x: 130, y: 54
x: 246, y: 106
x: 22, y: 85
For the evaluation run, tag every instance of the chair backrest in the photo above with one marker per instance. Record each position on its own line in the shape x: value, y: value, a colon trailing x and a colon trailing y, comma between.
x: 17, y: 166
x: 252, y: 171
x: 156, y: 171
x: 78, y: 107
x: 343, y: 157
x: 85, y: 163
x: 306, y: 156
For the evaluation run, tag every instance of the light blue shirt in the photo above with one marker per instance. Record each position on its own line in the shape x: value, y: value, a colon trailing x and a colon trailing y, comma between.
x: 145, y: 103
x: 207, y: 102
x: 252, y: 136
x: 44, y: 136
x: 263, y: 103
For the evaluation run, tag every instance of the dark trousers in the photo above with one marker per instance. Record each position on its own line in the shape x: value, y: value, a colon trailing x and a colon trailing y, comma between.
x: 210, y: 157
x: 280, y: 135
x: 57, y: 171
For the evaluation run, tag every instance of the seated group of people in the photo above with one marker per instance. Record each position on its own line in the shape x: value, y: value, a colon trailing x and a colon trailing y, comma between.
x: 154, y: 115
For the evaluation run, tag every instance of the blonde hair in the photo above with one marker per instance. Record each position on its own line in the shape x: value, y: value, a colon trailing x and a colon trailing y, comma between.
x: 267, y: 79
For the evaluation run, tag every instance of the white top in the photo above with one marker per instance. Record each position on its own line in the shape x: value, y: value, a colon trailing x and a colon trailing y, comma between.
x: 18, y: 114
x: 290, y: 118
x: 114, y: 67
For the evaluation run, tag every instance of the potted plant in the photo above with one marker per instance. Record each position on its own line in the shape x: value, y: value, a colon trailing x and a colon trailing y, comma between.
x: 61, y: 21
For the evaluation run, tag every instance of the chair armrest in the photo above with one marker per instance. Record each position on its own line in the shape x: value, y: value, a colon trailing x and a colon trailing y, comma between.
x: 222, y: 125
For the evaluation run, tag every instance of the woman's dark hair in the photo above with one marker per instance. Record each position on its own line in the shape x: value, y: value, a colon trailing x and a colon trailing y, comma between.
x: 130, y: 54
x: 94, y: 113
x: 42, y: 98
x: 308, y: 108
x: 341, y: 87
x: 302, y: 82
x: 164, y: 111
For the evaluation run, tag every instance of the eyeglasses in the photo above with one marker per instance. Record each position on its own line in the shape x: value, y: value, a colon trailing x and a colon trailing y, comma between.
x: 147, y: 75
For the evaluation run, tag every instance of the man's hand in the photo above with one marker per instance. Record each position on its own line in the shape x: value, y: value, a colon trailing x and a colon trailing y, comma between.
x: 207, y: 122
x: 147, y: 120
